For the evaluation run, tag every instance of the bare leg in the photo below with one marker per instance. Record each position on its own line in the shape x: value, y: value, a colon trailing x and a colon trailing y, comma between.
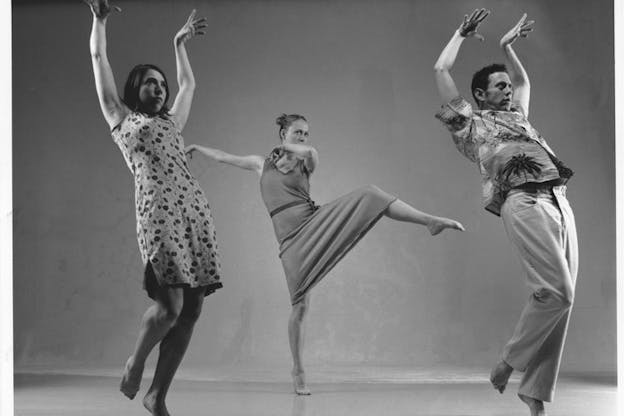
x: 400, y: 211
x: 172, y: 349
x: 295, y: 336
x: 536, y: 406
x: 500, y: 375
x: 157, y: 321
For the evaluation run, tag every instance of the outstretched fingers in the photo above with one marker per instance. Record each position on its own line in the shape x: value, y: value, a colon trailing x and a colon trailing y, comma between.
x: 191, y: 17
x: 199, y: 25
x: 196, y: 25
x: 101, y: 8
x: 521, y: 21
x: 526, y: 28
x: 523, y: 25
x: 482, y: 15
x: 471, y: 23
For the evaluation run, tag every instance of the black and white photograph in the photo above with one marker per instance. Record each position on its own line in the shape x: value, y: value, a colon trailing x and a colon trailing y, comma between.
x: 312, y: 208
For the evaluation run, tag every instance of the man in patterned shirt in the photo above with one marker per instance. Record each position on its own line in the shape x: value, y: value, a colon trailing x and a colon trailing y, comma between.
x: 524, y: 183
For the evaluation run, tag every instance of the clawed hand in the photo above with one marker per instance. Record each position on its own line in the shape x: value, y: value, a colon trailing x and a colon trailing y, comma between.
x: 100, y: 8
x: 470, y: 24
x: 521, y: 29
x: 191, y: 28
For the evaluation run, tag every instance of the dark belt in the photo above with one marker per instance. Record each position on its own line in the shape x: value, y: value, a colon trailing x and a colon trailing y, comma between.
x: 535, y: 187
x: 293, y: 204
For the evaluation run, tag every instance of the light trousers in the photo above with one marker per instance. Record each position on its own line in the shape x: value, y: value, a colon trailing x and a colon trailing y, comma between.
x: 541, y: 226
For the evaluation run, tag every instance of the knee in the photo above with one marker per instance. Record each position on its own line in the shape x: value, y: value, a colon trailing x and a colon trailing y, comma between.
x: 567, y: 299
x: 189, y: 315
x: 567, y: 295
x: 562, y: 299
x: 299, y: 310
x: 371, y: 189
x: 168, y: 314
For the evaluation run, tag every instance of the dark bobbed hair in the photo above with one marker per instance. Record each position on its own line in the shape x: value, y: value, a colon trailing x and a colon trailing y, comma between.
x: 481, y: 78
x: 133, y: 84
x: 285, y: 120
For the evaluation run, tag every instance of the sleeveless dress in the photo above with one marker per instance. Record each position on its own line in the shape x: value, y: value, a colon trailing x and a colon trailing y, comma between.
x: 313, y: 239
x: 174, y: 224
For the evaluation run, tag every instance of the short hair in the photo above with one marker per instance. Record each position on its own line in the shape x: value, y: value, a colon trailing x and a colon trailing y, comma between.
x: 133, y: 85
x: 481, y: 78
x: 285, y: 120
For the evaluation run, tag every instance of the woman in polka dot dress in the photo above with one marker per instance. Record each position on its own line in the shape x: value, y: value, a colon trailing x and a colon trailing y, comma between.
x: 174, y: 225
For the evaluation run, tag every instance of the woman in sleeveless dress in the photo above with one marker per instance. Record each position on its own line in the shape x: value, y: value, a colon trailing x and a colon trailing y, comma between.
x: 313, y: 239
x: 174, y: 224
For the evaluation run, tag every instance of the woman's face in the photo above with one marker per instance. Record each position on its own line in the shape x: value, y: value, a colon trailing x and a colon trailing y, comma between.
x: 297, y: 133
x: 152, y: 91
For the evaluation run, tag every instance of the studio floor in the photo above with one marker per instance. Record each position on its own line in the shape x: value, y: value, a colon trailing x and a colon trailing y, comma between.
x: 334, y: 392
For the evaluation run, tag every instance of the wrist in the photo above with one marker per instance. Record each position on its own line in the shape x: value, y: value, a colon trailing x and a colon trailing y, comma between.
x: 458, y: 37
x: 463, y: 31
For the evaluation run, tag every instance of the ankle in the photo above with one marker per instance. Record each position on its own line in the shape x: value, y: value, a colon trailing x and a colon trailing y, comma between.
x: 507, y: 368
x: 533, y: 403
x: 154, y: 396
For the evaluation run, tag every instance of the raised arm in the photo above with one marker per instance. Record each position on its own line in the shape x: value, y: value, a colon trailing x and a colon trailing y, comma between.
x: 112, y: 107
x: 186, y: 80
x: 517, y: 74
x: 251, y: 162
x: 468, y: 28
x: 305, y: 152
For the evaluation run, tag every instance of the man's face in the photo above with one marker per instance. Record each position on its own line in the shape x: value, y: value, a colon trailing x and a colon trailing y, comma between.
x: 499, y: 93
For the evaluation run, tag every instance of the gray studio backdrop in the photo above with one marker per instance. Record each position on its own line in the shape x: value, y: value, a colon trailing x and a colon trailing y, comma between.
x: 361, y: 71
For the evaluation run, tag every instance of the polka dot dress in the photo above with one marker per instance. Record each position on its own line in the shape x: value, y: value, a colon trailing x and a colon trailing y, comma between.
x: 174, y: 225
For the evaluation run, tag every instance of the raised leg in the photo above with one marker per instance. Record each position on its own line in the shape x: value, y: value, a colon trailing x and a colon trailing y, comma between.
x: 400, y: 211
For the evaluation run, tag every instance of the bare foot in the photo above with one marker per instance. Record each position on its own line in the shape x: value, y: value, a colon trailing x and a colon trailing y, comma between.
x: 131, y: 379
x: 299, y: 383
x: 155, y: 406
x: 438, y: 224
x: 536, y: 406
x: 500, y: 375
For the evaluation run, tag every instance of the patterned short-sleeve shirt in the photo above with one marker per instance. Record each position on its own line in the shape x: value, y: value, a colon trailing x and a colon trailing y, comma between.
x: 507, y: 149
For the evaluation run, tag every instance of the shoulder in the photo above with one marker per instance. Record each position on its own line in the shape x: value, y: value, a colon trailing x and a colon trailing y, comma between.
x: 458, y: 105
x: 518, y: 109
x: 129, y: 116
x: 457, y: 114
x: 173, y: 120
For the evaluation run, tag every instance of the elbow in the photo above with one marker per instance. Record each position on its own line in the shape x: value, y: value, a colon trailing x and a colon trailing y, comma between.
x: 97, y: 55
x: 188, y: 85
x: 313, y: 158
x: 521, y: 83
x: 439, y: 68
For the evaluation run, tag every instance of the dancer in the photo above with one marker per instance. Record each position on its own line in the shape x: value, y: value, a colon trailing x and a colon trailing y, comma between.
x: 523, y: 182
x: 174, y: 224
x: 313, y: 239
